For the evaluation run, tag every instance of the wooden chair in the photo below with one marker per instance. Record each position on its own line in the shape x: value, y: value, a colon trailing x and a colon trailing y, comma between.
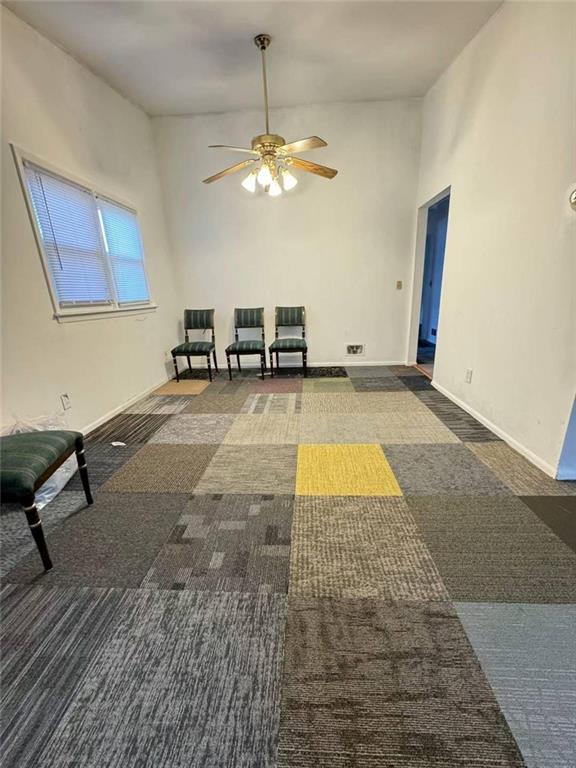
x: 247, y: 318
x: 289, y: 317
x: 197, y: 320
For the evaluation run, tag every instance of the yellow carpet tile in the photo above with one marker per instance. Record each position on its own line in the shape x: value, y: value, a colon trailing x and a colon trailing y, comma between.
x: 344, y: 470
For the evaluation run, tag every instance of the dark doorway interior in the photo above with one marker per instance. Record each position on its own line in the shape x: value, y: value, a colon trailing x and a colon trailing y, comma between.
x: 436, y: 229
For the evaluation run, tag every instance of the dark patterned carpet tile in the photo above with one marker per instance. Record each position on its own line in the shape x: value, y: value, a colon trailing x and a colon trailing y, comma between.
x: 455, y: 418
x: 314, y: 372
x: 15, y: 538
x: 417, y: 383
x: 167, y: 404
x: 162, y: 468
x: 442, y: 469
x: 128, y: 428
x: 103, y: 459
x: 142, y: 678
x: 360, y: 546
x: 379, y: 384
x: 49, y: 636
x: 251, y: 469
x: 227, y: 543
x: 528, y: 654
x: 494, y: 548
x: 369, y: 371
x: 199, y: 370
x: 371, y: 683
x: 558, y: 513
x: 113, y: 543
x: 216, y: 403
x: 404, y: 370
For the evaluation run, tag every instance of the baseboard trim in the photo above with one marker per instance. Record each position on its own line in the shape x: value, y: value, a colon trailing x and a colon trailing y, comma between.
x: 123, y: 406
x: 526, y: 452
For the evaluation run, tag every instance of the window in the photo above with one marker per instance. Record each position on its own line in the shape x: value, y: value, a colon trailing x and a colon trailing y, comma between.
x: 91, y: 245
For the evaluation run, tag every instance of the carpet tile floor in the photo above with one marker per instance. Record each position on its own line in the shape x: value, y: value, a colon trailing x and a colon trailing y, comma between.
x: 343, y: 571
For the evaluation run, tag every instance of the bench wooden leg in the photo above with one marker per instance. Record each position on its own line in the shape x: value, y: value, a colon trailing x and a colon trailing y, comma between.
x: 29, y: 506
x: 215, y: 361
x: 83, y: 469
x: 175, y: 367
x: 209, y: 366
x: 229, y: 366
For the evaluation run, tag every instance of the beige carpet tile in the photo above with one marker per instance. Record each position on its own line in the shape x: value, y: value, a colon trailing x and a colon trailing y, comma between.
x: 182, y: 387
x: 209, y: 403
x: 494, y: 549
x: 522, y: 477
x: 360, y: 547
x: 277, y: 385
x: 167, y: 404
x: 344, y: 470
x: 327, y: 385
x: 284, y: 402
x: 162, y: 469
x: 195, y: 428
x: 264, y: 429
x: 361, y: 402
x: 403, y: 370
x: 373, y: 428
x: 251, y: 469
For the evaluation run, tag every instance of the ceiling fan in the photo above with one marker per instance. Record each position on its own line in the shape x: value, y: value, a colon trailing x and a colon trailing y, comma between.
x: 272, y: 157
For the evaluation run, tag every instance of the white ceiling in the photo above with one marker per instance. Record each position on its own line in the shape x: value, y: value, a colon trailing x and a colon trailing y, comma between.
x: 194, y: 57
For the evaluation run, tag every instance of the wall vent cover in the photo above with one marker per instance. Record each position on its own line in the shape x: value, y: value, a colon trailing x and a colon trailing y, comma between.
x: 355, y: 349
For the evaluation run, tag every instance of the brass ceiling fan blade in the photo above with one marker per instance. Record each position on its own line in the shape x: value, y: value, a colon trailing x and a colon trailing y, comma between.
x: 303, y: 145
x: 226, y: 171
x: 319, y: 170
x: 233, y: 149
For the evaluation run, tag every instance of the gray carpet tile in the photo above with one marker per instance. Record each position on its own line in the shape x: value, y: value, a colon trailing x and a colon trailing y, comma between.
x: 360, y: 547
x: 227, y: 543
x: 455, y: 418
x: 159, y: 404
x: 113, y: 543
x: 184, y: 680
x: 128, y: 428
x: 371, y: 684
x: 264, y: 429
x: 377, y: 428
x: 417, y: 383
x: 404, y: 370
x: 49, y: 637
x: 103, y: 459
x: 327, y: 385
x: 528, y: 654
x: 251, y: 469
x: 368, y: 371
x: 379, y: 384
x: 362, y: 402
x: 194, y: 428
x: 284, y: 402
x: 522, y: 477
x: 442, y: 469
x: 162, y: 468
x: 494, y: 549
x: 15, y: 537
x: 216, y: 403
x: 558, y: 513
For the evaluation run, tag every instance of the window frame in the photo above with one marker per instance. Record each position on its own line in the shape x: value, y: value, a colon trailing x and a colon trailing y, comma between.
x: 79, y: 311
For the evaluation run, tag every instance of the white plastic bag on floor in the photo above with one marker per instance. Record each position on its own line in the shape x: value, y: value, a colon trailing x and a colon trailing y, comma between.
x: 58, y: 480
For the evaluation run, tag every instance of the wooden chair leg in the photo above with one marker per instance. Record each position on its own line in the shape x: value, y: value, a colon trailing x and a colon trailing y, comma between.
x: 263, y: 364
x: 175, y: 367
x: 305, y: 363
x: 238, y: 361
x: 209, y: 367
x: 83, y: 470
x: 35, y: 524
x: 229, y: 366
x: 215, y: 361
x: 271, y: 365
x: 189, y: 363
x: 278, y: 360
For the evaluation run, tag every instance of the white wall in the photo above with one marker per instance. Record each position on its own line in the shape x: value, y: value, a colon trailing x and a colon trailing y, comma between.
x: 336, y: 246
x: 499, y: 128
x: 57, y: 110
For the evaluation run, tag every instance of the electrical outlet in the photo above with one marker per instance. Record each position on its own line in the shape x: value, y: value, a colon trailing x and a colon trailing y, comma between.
x: 468, y: 376
x: 65, y: 400
x: 355, y: 349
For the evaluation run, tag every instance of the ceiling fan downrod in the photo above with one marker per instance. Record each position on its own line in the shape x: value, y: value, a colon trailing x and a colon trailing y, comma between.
x: 262, y: 42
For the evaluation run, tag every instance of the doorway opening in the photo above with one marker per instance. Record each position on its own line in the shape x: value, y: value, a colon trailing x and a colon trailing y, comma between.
x: 436, y: 229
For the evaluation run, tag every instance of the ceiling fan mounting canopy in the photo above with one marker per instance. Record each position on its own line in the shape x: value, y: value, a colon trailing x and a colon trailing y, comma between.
x: 271, y: 155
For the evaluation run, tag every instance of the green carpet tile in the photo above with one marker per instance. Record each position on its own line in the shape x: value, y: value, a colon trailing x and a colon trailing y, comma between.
x: 340, y: 571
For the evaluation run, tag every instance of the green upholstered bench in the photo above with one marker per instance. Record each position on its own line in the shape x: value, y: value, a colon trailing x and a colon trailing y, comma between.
x: 27, y: 460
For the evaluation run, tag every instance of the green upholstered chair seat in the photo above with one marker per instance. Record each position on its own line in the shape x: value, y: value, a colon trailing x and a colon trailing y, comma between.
x: 247, y: 347
x: 194, y: 348
x: 288, y: 345
x: 24, y: 458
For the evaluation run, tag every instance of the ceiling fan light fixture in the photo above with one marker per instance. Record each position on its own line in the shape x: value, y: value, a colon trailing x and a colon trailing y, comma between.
x: 264, y: 175
x: 289, y: 181
x: 274, y: 189
x: 249, y: 182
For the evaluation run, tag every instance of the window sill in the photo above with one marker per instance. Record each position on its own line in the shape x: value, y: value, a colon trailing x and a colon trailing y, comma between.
x: 80, y: 315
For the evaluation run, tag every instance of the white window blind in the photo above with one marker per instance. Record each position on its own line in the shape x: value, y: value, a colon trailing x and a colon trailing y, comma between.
x: 91, y: 246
